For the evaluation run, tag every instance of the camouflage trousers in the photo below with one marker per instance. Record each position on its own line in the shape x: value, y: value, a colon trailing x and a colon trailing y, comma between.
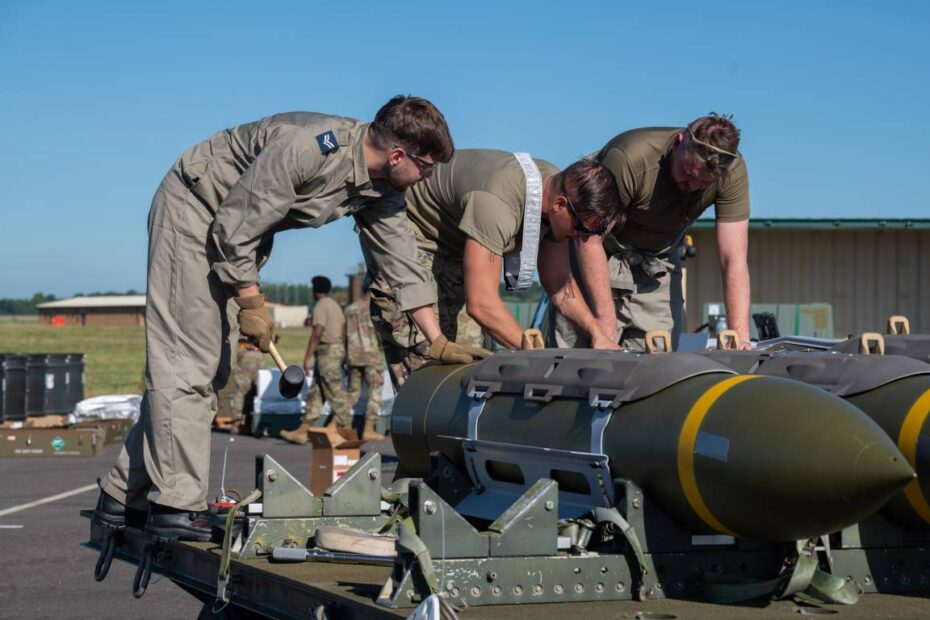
x: 244, y: 377
x: 404, y: 345
x: 647, y: 295
x: 373, y: 376
x: 327, y: 386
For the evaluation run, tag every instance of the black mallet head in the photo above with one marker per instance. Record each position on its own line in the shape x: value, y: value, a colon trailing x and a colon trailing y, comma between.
x: 292, y: 380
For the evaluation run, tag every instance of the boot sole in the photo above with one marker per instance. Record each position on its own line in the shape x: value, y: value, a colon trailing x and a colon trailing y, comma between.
x: 109, y: 521
x: 172, y: 534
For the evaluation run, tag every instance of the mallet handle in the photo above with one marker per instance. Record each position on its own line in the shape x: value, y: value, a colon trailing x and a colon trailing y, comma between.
x: 278, y: 360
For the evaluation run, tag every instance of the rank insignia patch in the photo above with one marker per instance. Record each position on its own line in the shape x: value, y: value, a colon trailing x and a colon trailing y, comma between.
x: 327, y: 142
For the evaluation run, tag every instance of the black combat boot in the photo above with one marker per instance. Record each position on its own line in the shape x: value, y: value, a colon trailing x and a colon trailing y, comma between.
x: 167, y: 524
x: 111, y: 513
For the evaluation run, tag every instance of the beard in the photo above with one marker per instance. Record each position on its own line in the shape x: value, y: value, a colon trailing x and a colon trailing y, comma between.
x: 393, y: 177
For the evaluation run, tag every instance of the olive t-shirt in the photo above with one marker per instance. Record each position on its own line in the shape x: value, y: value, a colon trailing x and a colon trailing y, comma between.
x: 327, y: 313
x: 657, y: 212
x: 478, y: 194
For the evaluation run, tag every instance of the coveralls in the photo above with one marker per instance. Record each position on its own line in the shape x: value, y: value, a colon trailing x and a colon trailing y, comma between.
x: 211, y: 227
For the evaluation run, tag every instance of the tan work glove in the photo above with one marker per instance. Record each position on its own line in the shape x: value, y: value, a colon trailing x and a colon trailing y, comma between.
x: 255, y: 322
x: 445, y: 352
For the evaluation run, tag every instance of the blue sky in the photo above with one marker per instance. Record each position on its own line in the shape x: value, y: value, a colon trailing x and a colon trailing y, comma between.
x: 97, y: 99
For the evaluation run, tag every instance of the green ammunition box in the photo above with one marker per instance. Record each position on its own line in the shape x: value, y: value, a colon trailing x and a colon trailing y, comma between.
x: 49, y: 442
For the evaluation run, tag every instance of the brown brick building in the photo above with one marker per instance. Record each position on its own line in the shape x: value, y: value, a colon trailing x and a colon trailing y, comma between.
x: 129, y: 311
x: 121, y: 310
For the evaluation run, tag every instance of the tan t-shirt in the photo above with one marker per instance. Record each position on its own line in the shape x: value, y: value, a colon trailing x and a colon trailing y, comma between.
x: 478, y: 194
x: 327, y: 313
x: 657, y: 212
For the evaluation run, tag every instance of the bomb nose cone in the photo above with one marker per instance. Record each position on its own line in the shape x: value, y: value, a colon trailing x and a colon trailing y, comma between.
x: 801, y: 462
x: 881, y: 468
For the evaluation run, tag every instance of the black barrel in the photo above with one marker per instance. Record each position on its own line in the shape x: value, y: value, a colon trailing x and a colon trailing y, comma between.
x: 15, y: 387
x: 35, y: 384
x: 2, y: 384
x: 75, y: 378
x: 56, y: 384
x: 13, y: 397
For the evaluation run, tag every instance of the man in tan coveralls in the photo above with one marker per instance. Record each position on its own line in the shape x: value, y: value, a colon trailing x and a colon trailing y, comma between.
x: 211, y: 227
x: 365, y: 360
x: 667, y: 177
x: 326, y: 354
x: 467, y: 217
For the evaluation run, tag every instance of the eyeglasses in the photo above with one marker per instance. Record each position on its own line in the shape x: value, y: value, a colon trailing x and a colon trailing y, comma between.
x: 713, y: 155
x: 580, y: 229
x: 421, y: 163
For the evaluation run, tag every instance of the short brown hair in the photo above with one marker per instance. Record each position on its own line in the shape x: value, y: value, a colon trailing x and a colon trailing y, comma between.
x: 716, y: 129
x: 593, y: 191
x: 414, y: 124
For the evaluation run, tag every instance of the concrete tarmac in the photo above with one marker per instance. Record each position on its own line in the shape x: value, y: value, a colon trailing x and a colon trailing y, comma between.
x: 46, y: 573
x: 44, y: 570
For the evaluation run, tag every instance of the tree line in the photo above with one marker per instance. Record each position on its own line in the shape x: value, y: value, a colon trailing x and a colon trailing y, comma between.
x: 278, y: 292
x: 28, y: 305
x: 24, y: 306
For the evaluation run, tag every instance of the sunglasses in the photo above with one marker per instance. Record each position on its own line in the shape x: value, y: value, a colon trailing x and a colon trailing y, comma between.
x: 713, y: 155
x: 580, y: 229
x: 421, y: 163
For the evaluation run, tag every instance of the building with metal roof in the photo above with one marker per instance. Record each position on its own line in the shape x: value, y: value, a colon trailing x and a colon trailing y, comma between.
x: 129, y: 310
x: 867, y: 269
x: 123, y: 310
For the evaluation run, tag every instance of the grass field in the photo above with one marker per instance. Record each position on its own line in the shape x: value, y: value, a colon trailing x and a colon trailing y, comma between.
x: 114, y: 357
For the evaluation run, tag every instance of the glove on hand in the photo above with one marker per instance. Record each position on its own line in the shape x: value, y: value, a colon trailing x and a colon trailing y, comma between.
x: 532, y: 340
x: 446, y: 352
x: 255, y: 322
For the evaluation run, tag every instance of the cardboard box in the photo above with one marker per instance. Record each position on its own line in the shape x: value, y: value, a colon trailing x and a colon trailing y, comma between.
x: 112, y: 431
x: 334, y: 452
x: 47, y: 421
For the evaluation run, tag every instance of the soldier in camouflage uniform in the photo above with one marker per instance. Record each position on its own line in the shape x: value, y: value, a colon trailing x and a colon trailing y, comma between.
x: 365, y: 360
x: 248, y: 361
x: 327, y: 347
x: 406, y: 350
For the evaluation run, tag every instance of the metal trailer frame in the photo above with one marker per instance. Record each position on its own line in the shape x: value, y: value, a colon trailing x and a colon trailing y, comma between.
x: 882, y: 556
x: 515, y: 559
